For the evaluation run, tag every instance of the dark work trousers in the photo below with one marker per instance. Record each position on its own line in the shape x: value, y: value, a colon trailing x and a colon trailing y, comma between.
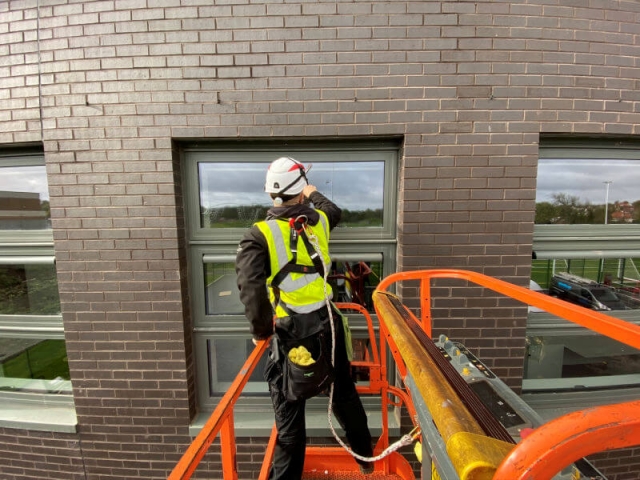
x: 288, y: 459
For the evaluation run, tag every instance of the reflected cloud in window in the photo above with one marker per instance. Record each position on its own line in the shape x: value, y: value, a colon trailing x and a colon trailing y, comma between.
x: 232, y: 194
x: 584, y: 191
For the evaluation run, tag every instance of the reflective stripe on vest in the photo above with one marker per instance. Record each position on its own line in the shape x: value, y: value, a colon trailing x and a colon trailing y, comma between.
x: 299, y: 292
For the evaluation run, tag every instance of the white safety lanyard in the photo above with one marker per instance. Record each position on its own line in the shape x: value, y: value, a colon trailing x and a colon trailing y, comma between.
x: 405, y: 439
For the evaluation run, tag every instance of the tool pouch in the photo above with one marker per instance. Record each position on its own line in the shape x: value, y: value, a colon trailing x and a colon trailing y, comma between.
x: 301, y: 382
x: 305, y: 381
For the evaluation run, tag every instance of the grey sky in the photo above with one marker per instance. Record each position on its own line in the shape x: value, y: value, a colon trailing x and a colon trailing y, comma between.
x: 25, y: 179
x: 584, y: 179
x: 353, y: 185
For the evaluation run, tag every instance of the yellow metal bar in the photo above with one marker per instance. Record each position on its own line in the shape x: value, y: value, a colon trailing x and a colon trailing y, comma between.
x: 474, y: 455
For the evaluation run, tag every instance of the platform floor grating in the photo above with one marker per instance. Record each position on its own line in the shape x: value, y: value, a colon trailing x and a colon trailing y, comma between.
x: 349, y: 476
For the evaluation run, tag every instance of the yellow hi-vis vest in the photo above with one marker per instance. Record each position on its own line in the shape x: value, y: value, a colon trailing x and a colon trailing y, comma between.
x: 298, y: 292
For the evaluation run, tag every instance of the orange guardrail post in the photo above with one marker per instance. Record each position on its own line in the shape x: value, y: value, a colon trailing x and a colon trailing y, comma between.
x: 228, y: 449
x: 220, y: 420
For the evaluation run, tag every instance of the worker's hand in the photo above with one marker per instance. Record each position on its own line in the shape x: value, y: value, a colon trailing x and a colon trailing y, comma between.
x: 308, y: 190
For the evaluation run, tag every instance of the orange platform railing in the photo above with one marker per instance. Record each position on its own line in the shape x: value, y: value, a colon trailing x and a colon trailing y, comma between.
x: 543, y: 453
x: 562, y: 441
x: 318, y: 458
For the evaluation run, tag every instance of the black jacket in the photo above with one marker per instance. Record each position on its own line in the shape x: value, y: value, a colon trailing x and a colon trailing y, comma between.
x: 253, y: 266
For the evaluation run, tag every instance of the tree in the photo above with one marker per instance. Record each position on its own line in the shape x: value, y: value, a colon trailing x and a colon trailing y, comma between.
x: 545, y: 213
x: 569, y: 209
x: 636, y: 211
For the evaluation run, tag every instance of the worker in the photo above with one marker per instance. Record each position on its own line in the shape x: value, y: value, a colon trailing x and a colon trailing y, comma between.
x: 278, y: 278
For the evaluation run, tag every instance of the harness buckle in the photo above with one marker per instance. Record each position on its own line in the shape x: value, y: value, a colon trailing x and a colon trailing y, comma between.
x: 298, y: 223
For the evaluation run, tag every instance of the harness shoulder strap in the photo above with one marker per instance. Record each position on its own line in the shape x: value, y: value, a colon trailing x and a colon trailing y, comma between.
x: 292, y: 266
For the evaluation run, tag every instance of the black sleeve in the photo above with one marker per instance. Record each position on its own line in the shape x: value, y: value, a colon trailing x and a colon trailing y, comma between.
x: 252, y: 268
x: 332, y: 211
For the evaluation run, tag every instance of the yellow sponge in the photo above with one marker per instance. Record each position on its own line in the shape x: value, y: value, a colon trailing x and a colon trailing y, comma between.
x: 301, y: 356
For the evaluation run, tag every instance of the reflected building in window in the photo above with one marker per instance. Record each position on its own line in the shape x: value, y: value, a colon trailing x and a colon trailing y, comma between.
x: 22, y: 211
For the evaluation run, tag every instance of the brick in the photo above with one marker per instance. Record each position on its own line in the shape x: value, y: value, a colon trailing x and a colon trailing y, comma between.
x: 468, y: 86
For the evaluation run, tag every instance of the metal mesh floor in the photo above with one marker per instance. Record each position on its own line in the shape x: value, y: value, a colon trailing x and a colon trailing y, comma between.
x: 349, y: 476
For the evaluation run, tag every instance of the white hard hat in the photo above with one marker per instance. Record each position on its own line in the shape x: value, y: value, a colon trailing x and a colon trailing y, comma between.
x: 285, y: 176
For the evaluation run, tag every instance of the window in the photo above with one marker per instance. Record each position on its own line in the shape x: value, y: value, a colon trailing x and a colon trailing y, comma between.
x: 224, y: 196
x: 24, y: 196
x: 592, y: 183
x: 587, y: 252
x: 32, y: 350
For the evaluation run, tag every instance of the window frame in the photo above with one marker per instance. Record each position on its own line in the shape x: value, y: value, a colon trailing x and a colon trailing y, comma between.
x: 31, y: 247
x: 211, y: 245
x: 582, y: 241
x: 385, y: 152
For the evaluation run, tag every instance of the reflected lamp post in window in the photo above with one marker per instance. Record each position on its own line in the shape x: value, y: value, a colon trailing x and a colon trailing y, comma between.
x: 606, y: 201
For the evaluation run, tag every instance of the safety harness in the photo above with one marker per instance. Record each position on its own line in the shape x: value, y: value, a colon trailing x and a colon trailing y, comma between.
x: 297, y: 230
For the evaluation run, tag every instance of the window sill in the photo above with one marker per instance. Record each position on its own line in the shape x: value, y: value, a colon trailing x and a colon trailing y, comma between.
x: 259, y: 424
x: 45, y: 413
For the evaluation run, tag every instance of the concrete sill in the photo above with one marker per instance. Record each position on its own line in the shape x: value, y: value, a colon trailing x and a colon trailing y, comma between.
x: 40, y: 412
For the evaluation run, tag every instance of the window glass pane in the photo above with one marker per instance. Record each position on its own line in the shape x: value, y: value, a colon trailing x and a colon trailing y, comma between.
x: 355, y: 282
x: 24, y: 198
x: 232, y: 194
x: 221, y: 290
x: 27, y: 289
x: 564, y: 356
x: 226, y: 358
x: 356, y: 187
x: 598, y: 284
x: 580, y: 357
x: 585, y: 191
x: 34, y: 365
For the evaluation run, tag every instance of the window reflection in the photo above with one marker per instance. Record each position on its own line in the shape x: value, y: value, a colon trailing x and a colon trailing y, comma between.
x: 355, y: 282
x: 221, y: 290
x: 356, y: 187
x: 232, y: 194
x: 27, y: 289
x: 227, y: 356
x: 568, y: 357
x: 587, y: 191
x: 597, y: 283
x: 34, y: 365
x: 24, y: 198
x: 579, y: 357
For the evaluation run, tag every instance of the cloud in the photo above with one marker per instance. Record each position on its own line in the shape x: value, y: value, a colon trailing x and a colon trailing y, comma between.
x: 353, y: 186
x: 585, y: 179
x: 27, y: 179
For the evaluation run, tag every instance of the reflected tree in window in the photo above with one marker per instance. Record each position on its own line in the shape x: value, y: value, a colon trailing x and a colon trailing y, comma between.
x: 29, y: 290
x: 588, y: 191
